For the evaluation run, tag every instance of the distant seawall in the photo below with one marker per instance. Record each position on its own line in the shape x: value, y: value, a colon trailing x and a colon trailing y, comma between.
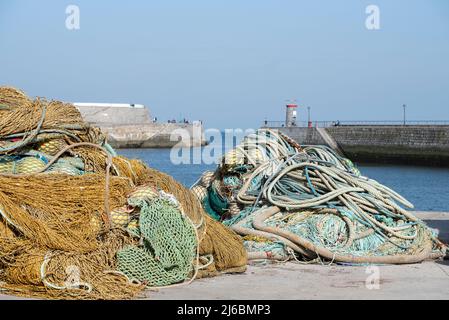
x: 113, y: 115
x: 155, y: 135
x: 411, y: 144
x: 130, y: 126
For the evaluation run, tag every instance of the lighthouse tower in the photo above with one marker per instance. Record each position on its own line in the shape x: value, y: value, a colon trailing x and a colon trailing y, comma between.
x: 291, y: 115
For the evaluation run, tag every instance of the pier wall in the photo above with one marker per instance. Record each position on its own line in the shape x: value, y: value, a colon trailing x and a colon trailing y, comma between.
x: 131, y: 127
x: 114, y: 115
x: 155, y: 135
x: 421, y: 145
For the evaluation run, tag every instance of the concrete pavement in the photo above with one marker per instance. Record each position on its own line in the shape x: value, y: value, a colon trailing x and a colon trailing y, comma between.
x: 429, y: 280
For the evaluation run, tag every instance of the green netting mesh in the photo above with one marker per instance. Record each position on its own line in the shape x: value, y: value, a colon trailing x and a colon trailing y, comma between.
x: 168, y: 247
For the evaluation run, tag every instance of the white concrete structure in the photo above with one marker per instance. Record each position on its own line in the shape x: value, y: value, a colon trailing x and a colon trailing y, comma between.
x: 130, y: 126
x: 114, y: 113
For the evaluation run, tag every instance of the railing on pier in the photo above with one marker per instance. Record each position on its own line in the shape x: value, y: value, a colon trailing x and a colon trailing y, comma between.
x: 326, y: 124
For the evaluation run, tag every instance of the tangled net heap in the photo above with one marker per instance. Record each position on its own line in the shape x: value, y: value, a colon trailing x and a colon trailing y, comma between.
x: 309, y: 204
x: 78, y: 221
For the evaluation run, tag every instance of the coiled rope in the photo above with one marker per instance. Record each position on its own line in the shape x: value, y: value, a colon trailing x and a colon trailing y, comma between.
x: 285, y: 180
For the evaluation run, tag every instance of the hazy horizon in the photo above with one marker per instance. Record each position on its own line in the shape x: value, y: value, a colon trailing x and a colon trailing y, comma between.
x: 233, y: 63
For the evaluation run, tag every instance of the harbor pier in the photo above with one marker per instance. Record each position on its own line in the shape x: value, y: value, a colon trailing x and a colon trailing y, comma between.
x: 423, y: 143
x: 131, y: 126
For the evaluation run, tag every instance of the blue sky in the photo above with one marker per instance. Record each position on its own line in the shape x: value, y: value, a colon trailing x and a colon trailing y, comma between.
x: 234, y: 63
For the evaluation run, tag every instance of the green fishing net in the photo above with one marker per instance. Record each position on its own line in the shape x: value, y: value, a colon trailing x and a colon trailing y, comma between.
x: 168, y: 244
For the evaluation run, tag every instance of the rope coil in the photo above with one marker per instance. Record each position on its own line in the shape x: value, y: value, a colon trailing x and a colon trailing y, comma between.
x: 318, y: 204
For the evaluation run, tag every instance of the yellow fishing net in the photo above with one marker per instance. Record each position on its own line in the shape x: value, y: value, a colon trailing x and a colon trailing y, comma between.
x: 79, y: 222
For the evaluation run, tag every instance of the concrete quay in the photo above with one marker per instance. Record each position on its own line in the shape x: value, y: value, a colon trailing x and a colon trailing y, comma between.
x: 436, y: 220
x: 293, y: 281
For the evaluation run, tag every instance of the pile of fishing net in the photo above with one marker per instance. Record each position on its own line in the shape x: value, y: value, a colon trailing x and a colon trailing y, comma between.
x: 310, y: 204
x: 78, y: 221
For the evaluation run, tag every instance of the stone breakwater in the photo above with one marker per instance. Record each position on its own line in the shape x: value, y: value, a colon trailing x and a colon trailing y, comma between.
x: 130, y: 126
x: 419, y: 145
x: 155, y: 135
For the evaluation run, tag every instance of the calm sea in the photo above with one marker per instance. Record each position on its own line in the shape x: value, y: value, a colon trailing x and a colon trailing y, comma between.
x: 426, y: 188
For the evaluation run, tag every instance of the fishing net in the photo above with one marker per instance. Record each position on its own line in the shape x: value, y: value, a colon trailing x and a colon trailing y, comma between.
x: 79, y: 222
x: 11, y: 98
x: 169, y: 245
x: 308, y: 203
x: 226, y: 248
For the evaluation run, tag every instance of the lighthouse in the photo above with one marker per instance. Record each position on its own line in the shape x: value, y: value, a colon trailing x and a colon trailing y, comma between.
x: 291, y: 114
